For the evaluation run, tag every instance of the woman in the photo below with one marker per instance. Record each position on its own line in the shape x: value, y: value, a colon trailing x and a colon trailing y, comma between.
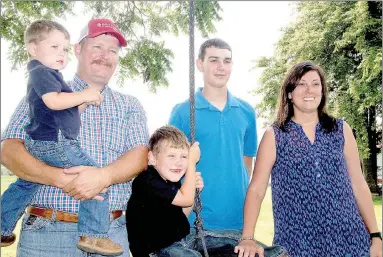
x: 321, y: 203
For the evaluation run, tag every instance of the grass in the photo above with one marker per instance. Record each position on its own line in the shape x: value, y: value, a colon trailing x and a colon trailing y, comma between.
x: 378, y: 209
x: 264, y: 230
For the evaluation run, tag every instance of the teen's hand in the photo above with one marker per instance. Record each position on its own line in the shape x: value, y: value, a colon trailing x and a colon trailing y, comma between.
x: 194, y: 153
x: 199, y: 181
x: 92, y: 96
x: 249, y: 248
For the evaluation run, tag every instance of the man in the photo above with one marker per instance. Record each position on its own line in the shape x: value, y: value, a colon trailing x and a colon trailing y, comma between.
x: 225, y: 127
x: 115, y: 134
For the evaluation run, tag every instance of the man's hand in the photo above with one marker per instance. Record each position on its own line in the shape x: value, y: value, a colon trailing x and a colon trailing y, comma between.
x: 89, y: 182
x: 65, y: 179
x: 249, y: 248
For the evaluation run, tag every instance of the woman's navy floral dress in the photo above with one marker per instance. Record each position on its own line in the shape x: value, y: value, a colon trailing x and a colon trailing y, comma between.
x: 315, y: 211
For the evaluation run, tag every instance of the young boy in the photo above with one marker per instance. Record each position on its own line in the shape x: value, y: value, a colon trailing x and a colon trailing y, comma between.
x: 53, y: 129
x: 158, y: 207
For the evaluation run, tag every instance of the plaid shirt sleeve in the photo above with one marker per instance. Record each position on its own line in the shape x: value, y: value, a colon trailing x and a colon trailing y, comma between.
x: 17, y: 123
x: 137, y: 124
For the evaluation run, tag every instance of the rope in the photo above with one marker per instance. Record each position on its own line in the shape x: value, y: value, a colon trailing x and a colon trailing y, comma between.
x: 198, y: 223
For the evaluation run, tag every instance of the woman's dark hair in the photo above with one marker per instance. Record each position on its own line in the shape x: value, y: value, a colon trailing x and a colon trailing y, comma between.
x: 285, y: 105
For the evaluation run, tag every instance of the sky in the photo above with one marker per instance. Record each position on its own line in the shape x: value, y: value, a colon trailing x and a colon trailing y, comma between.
x: 251, y: 28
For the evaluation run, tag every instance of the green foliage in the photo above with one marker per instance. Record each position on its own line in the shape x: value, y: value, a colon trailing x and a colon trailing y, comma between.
x: 273, y: 73
x: 345, y: 39
x: 151, y: 58
x: 17, y: 15
x: 143, y: 23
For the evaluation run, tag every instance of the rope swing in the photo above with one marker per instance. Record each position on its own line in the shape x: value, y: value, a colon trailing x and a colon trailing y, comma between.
x: 198, y: 223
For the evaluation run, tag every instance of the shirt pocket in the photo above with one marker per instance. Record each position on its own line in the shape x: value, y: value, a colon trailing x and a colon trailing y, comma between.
x: 115, y: 134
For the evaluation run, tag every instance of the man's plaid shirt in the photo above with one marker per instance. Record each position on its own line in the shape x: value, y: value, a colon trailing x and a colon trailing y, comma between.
x: 107, y: 132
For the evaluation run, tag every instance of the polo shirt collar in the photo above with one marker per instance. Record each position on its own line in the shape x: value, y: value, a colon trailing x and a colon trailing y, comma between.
x: 79, y: 84
x: 232, y: 101
x: 201, y: 102
x: 34, y: 63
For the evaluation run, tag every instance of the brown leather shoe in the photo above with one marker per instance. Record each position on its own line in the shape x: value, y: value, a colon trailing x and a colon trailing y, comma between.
x: 8, y: 240
x: 103, y: 246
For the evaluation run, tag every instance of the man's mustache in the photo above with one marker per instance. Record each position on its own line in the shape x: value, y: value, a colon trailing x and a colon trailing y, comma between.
x: 102, y: 62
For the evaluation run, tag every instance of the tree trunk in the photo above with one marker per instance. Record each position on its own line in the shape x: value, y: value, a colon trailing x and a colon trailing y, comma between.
x: 370, y: 167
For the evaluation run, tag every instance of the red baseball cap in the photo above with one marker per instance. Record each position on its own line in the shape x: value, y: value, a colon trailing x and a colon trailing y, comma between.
x: 98, y: 27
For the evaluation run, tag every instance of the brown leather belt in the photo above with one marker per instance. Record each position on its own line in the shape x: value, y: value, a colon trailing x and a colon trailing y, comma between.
x: 63, y: 216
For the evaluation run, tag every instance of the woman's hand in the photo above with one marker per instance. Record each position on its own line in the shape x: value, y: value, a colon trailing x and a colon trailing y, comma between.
x: 376, y: 247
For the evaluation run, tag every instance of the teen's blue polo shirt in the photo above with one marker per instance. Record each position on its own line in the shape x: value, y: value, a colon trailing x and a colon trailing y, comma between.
x: 225, y: 137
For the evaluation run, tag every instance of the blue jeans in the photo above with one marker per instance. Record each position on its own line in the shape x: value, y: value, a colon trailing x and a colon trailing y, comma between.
x: 93, y: 218
x: 41, y: 237
x: 217, y: 242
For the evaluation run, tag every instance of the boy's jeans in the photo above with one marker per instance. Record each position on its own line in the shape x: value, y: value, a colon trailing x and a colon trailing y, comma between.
x: 226, y: 240
x: 93, y: 218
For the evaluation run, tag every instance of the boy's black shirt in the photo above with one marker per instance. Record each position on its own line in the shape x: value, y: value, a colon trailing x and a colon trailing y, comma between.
x: 152, y: 221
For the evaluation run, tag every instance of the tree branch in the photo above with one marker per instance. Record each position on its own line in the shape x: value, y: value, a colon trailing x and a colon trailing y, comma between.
x: 142, y: 19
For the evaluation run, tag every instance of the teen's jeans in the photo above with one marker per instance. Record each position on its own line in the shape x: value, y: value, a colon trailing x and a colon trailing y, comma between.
x: 93, y: 218
x: 217, y: 241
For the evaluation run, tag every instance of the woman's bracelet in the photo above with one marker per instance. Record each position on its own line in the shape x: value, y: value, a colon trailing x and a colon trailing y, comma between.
x: 247, y: 238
